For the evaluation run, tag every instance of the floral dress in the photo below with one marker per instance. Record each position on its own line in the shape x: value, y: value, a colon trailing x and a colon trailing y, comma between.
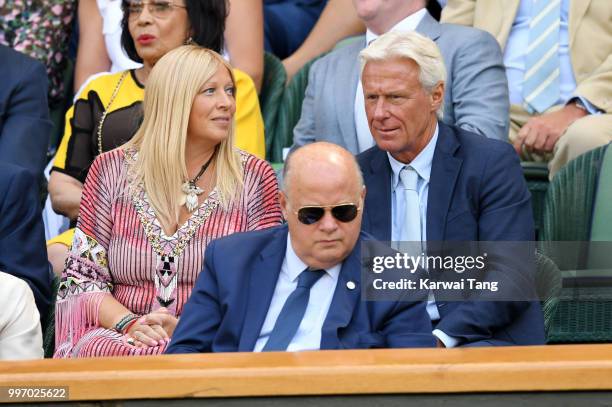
x: 40, y: 29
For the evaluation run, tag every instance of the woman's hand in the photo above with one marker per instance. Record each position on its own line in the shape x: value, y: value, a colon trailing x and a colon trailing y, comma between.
x: 153, y: 329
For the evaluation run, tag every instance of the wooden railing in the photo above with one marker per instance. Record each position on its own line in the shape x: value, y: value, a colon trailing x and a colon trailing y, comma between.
x: 385, y: 371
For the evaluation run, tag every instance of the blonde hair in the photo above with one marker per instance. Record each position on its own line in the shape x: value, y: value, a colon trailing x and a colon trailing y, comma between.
x: 161, y: 139
x: 411, y: 45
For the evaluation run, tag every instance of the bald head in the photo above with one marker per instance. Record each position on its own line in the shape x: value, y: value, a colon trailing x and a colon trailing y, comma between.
x: 327, y: 178
x: 321, y: 158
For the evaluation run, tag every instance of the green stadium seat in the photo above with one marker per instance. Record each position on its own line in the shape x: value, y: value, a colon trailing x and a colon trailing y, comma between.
x: 577, y: 209
x: 290, y: 111
x: 271, y: 96
x: 49, y: 332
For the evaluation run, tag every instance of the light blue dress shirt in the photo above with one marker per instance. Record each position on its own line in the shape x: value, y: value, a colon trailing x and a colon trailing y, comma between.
x: 308, y: 335
x: 514, y: 57
x: 422, y: 165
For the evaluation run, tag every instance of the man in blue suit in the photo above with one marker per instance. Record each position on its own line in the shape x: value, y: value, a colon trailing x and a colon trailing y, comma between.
x: 297, y: 287
x: 428, y: 181
x: 22, y: 237
x: 24, y: 114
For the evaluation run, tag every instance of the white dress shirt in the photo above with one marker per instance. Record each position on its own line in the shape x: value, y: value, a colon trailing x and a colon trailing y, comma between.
x: 364, y: 137
x: 20, y: 332
x: 422, y: 165
x: 308, y: 335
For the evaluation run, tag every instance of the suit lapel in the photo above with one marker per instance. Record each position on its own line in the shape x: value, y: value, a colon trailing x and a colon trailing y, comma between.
x: 344, y: 300
x: 263, y: 278
x: 444, y: 172
x: 346, y: 96
x: 577, y: 11
x: 378, y: 196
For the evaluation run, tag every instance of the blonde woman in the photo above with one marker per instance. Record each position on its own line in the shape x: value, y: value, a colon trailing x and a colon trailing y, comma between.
x: 150, y: 208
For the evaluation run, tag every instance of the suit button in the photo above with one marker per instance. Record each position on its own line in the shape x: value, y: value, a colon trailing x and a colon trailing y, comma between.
x: 350, y: 285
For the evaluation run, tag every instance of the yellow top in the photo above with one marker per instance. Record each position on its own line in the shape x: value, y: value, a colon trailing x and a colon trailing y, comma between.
x: 79, y: 146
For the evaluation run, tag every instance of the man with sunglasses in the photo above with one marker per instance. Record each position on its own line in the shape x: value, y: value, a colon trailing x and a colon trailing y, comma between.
x: 297, y: 287
x: 430, y: 182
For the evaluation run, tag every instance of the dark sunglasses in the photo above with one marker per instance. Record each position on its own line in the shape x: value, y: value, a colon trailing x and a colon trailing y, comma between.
x: 345, y: 212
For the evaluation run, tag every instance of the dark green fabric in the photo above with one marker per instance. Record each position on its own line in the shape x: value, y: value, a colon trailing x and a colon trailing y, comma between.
x: 601, y: 228
x: 271, y: 96
x: 569, y: 200
x: 49, y: 334
x: 290, y: 111
x: 582, y: 315
x: 584, y: 312
x: 536, y: 176
x: 548, y: 285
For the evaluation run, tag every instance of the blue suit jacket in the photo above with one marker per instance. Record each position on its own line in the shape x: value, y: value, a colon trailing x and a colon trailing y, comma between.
x: 24, y: 114
x: 231, y: 297
x: 22, y: 237
x: 477, y: 192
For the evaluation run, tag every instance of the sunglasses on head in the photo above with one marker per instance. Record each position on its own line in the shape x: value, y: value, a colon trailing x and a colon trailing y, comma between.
x: 345, y: 212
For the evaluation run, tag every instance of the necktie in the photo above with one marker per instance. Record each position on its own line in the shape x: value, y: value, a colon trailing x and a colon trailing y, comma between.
x: 412, y: 224
x: 541, y: 81
x: 293, y: 311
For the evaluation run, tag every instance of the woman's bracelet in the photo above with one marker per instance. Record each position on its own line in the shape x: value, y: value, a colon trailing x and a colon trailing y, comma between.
x: 129, y: 325
x: 125, y: 321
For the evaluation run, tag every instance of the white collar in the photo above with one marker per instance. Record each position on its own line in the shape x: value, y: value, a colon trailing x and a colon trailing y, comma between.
x: 409, y: 23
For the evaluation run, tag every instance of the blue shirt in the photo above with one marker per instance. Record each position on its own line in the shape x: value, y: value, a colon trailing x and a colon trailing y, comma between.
x: 308, y: 335
x: 514, y: 56
x: 422, y: 165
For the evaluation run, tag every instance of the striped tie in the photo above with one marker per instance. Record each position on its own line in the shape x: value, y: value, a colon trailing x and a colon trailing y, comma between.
x: 541, y: 82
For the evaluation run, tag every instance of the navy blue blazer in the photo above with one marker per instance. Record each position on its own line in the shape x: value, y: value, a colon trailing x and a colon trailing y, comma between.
x: 24, y: 115
x: 22, y: 237
x: 477, y: 192
x: 231, y: 297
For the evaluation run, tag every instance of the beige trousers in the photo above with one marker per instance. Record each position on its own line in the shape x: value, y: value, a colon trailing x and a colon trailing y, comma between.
x: 581, y: 136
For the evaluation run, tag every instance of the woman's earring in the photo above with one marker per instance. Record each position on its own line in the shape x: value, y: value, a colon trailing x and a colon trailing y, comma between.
x: 189, y: 41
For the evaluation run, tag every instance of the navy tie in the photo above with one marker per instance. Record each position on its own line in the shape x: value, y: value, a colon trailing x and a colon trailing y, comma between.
x: 292, y: 313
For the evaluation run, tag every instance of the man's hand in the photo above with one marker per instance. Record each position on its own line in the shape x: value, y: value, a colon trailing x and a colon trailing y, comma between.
x: 162, y: 318
x: 440, y: 344
x: 540, y: 134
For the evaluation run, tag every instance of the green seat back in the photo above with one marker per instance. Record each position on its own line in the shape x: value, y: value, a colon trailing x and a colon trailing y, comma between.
x: 548, y: 285
x: 536, y: 176
x: 271, y: 96
x: 570, y: 197
x: 290, y: 111
x: 573, y: 213
x: 49, y: 334
x: 601, y: 227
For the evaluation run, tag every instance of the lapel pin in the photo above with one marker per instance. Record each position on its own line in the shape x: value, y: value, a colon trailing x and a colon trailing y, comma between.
x: 350, y: 285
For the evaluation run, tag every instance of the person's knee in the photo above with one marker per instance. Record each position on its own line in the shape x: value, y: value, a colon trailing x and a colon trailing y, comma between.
x: 581, y: 136
x: 586, y: 134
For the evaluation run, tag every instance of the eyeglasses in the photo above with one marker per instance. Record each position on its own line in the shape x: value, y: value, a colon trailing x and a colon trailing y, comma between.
x: 158, y: 9
x: 345, y: 212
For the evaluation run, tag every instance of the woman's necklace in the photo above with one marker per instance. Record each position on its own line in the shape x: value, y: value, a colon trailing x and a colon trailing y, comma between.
x: 191, y: 190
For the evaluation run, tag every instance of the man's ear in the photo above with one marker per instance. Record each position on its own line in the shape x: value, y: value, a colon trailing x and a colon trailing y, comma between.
x: 282, y: 199
x: 437, y: 96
